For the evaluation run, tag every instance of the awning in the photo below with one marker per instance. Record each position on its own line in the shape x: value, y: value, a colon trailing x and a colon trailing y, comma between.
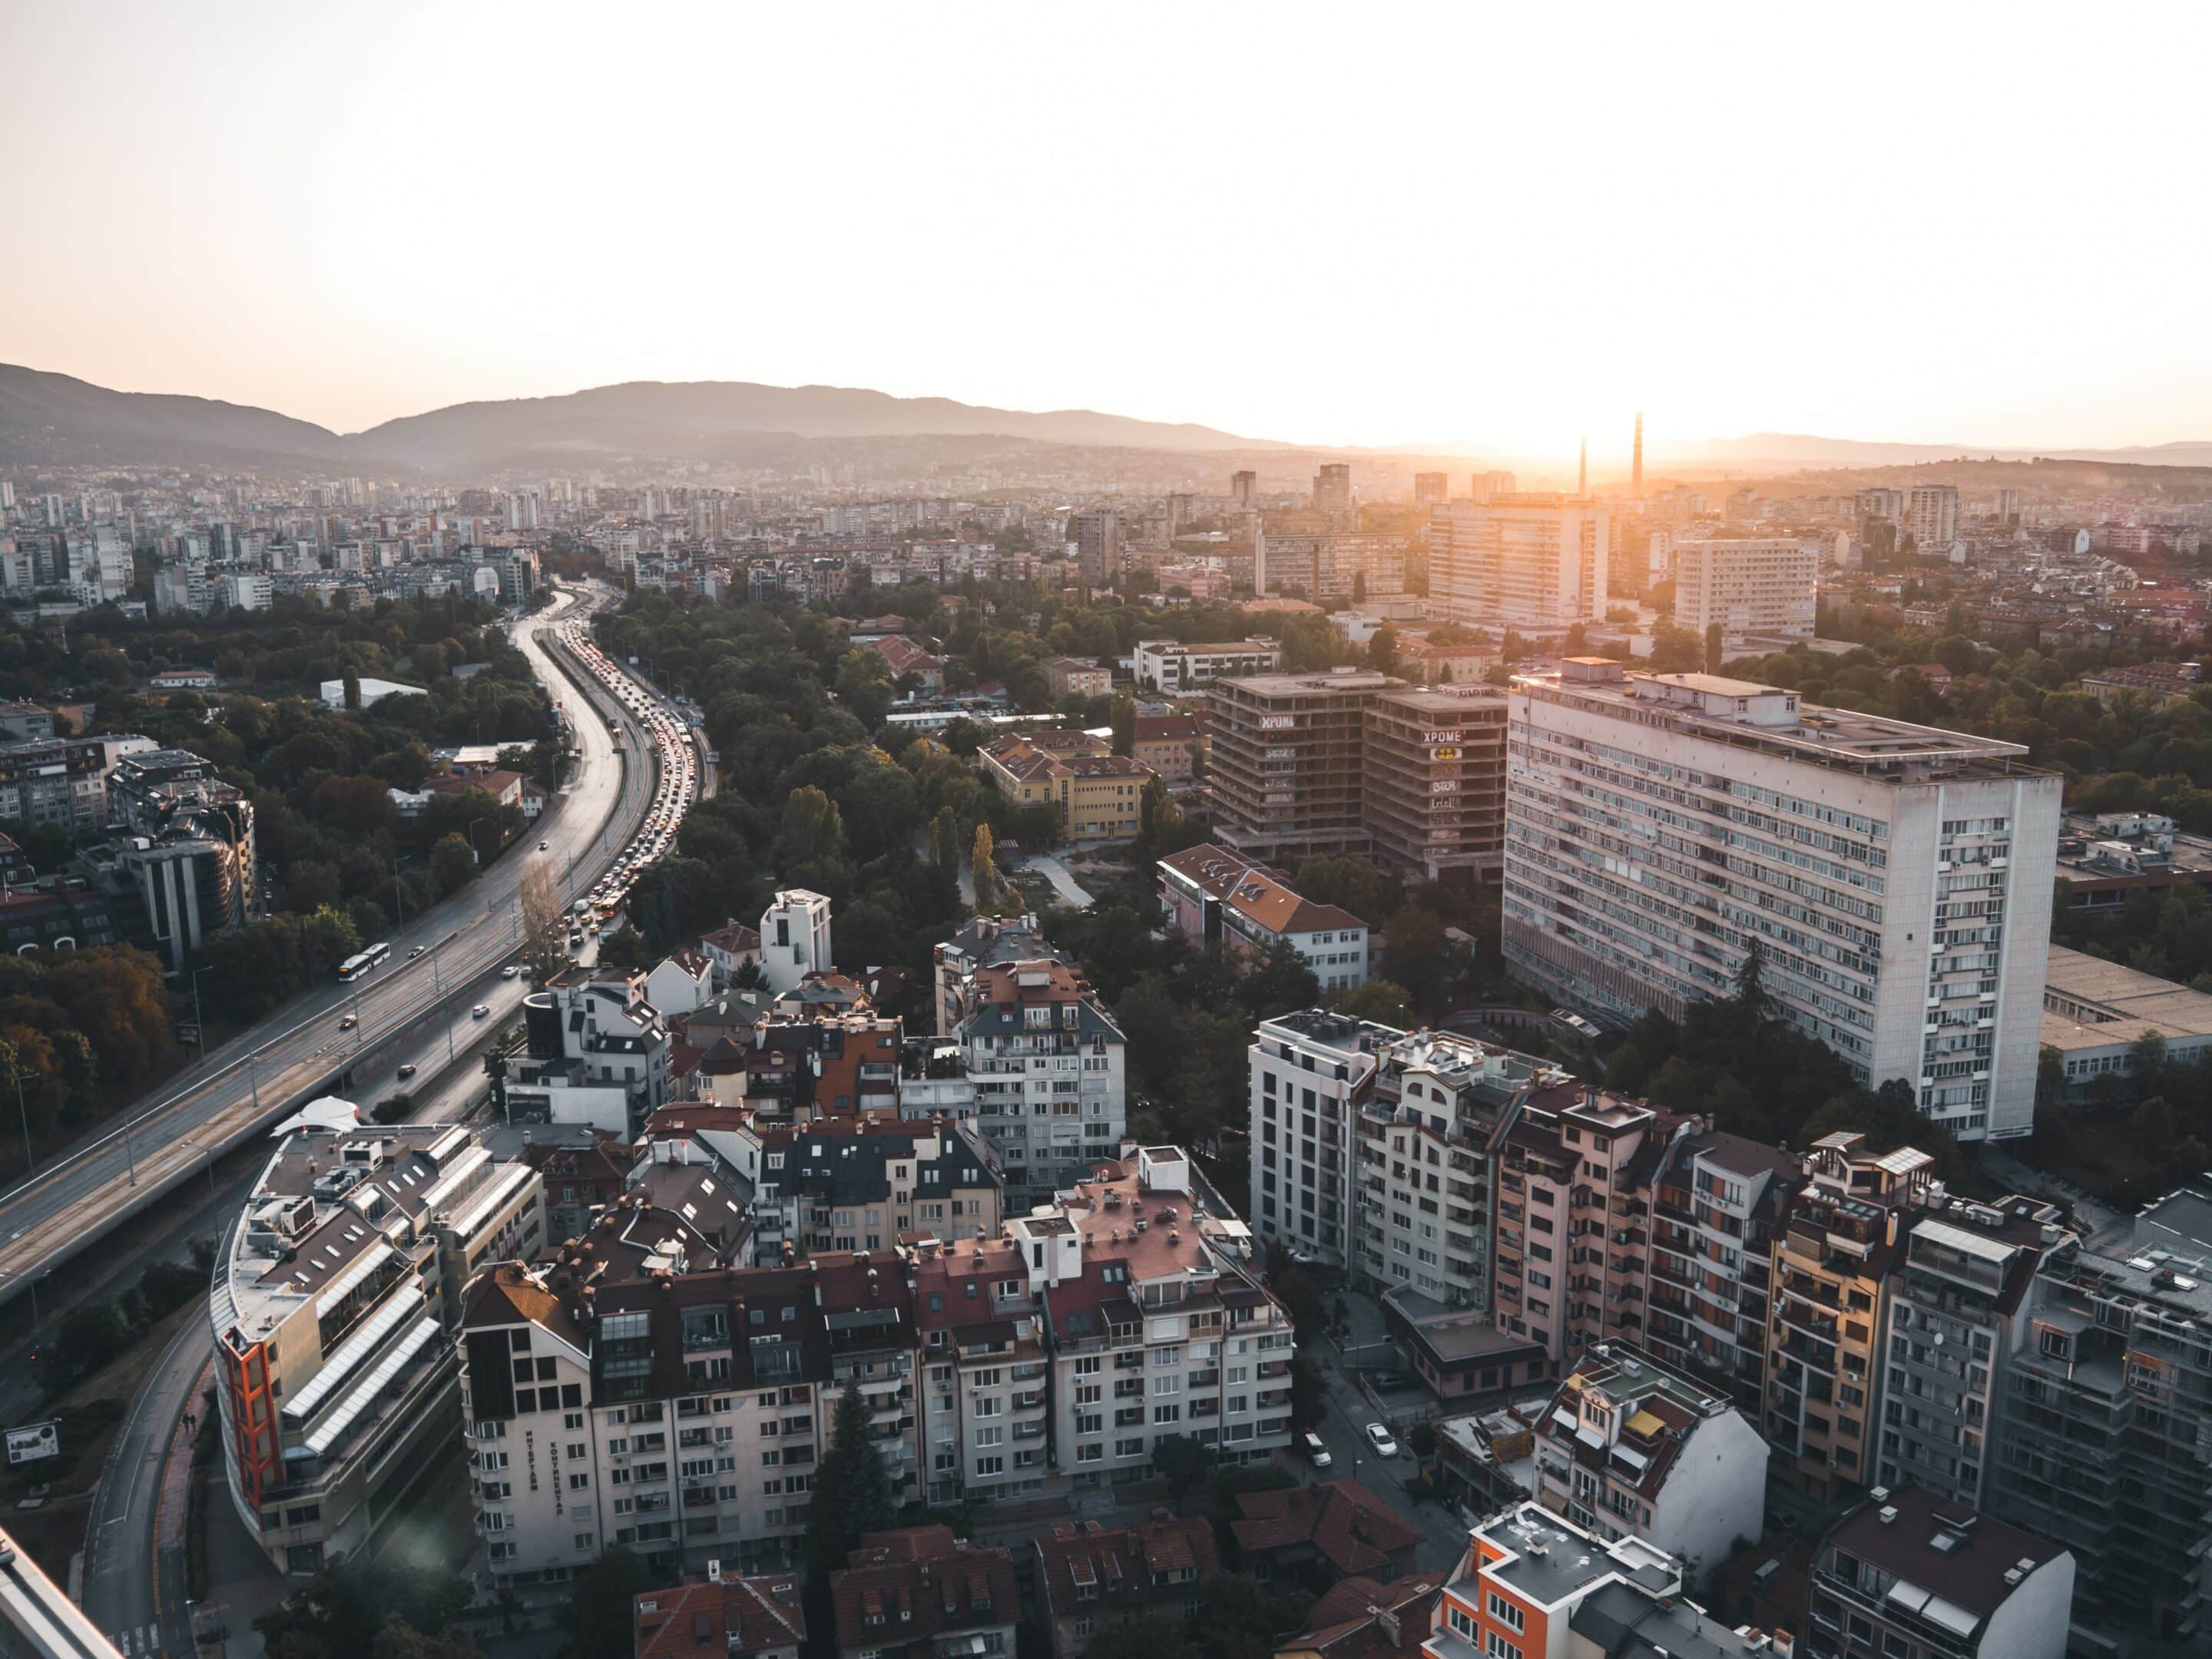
x: 350, y: 1353
x: 351, y: 1280
x: 372, y: 1387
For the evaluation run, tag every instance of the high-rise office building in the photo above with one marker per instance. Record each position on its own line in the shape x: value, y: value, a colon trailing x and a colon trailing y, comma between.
x: 1431, y: 488
x: 1767, y: 585
x: 1932, y: 516
x: 1097, y: 538
x: 1535, y: 562
x: 1287, y: 762
x: 1433, y: 789
x: 1332, y: 490
x: 1484, y: 485
x: 1241, y: 485
x: 1896, y: 879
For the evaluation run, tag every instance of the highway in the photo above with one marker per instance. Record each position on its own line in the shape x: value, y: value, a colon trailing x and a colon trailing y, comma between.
x: 239, y: 1089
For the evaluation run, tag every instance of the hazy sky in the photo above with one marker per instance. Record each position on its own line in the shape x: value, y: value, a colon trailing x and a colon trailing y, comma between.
x: 1352, y: 224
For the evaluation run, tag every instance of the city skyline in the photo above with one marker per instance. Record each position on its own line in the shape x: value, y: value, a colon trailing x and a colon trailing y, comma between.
x: 404, y: 239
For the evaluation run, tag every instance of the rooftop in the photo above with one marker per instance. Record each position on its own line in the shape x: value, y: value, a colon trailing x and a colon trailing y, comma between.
x: 1547, y: 1562
x: 2089, y: 1002
x: 1954, y: 1566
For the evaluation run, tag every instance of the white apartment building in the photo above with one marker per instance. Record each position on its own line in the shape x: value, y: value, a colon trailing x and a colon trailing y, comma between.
x: 1535, y: 562
x: 1931, y: 517
x: 1762, y: 585
x: 1051, y: 1072
x: 794, y: 933
x: 1170, y: 666
x: 1308, y: 1071
x: 332, y: 1314
x: 1897, y: 877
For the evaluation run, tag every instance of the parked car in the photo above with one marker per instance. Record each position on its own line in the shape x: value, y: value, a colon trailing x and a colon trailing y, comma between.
x: 1379, y: 1437
x: 543, y: 845
x: 1316, y: 1453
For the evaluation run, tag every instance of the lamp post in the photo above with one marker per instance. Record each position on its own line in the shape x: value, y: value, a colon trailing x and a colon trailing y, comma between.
x: 473, y: 853
x: 29, y: 1162
x: 208, y: 1152
x: 199, y: 1023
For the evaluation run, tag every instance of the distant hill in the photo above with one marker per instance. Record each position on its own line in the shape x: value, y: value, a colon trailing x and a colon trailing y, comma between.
x: 1780, y: 450
x: 61, y: 421
x: 698, y: 420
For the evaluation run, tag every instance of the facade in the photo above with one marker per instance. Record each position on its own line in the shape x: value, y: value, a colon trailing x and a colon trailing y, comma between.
x: 1896, y: 879
x: 1931, y: 517
x: 334, y: 1303
x: 1630, y: 1448
x: 1090, y: 1577
x: 598, y: 1052
x: 1288, y: 761
x: 62, y: 782
x: 1432, y: 788
x: 1954, y: 1317
x: 867, y: 1185
x: 1332, y: 488
x: 794, y: 933
x: 981, y: 942
x: 1050, y: 1074
x: 1172, y: 668
x: 1307, y: 1074
x: 1329, y: 564
x: 1534, y: 562
x: 1908, y: 1573
x: 1764, y: 585
x: 1173, y: 746
x: 1096, y: 537
x: 1094, y: 797
x: 1833, y: 1266
x: 1210, y: 894
x: 1071, y: 676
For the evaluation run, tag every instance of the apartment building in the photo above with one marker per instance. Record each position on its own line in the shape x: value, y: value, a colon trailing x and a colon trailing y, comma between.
x: 1074, y: 677
x: 1833, y: 1266
x: 857, y: 1184
x: 1630, y: 1448
x: 1718, y: 1204
x: 1050, y: 1074
x: 1432, y: 789
x: 1173, y: 746
x: 1574, y: 1169
x: 736, y: 1617
x: 2103, y: 1428
x: 1534, y: 562
x: 598, y: 1052
x: 334, y: 1301
x: 1211, y: 895
x: 1308, y: 1072
x: 1327, y: 564
x: 1533, y: 1585
x: 1954, y: 1317
x: 1896, y: 879
x: 982, y: 942
x: 794, y: 938
x: 1763, y: 586
x: 1173, y: 668
x: 1931, y: 517
x: 1288, y: 761
x: 1090, y: 1577
x: 1092, y: 797
x: 1907, y: 1572
x: 62, y: 782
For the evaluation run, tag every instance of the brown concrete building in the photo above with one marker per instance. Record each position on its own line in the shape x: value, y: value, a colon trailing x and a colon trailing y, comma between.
x: 1433, y: 791
x: 1288, y: 761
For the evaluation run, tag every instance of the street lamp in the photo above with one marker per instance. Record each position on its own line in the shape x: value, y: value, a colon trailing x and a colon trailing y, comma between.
x: 30, y: 1162
x: 199, y: 1024
x: 208, y: 1151
x: 473, y: 853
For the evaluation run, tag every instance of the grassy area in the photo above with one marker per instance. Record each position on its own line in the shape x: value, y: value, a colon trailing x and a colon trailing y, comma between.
x: 91, y: 1413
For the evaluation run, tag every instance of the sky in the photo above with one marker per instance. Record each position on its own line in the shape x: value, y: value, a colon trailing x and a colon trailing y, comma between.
x: 1378, y: 224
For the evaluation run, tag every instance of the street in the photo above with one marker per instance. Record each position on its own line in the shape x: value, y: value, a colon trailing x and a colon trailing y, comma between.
x: 77, y: 1199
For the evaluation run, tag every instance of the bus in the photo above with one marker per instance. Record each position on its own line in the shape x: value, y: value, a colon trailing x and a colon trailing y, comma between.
x: 354, y: 966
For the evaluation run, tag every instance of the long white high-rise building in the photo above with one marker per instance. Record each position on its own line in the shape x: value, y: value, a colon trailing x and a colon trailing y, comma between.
x: 1898, y: 878
x: 1535, y: 562
x: 1749, y: 585
x: 1932, y: 516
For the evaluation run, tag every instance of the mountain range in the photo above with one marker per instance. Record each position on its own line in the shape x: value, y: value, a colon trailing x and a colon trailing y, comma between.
x: 48, y: 419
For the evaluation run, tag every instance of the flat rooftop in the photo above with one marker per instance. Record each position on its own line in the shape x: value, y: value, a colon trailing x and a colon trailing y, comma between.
x: 1549, y: 1562
x: 2091, y: 1003
x: 1310, y: 685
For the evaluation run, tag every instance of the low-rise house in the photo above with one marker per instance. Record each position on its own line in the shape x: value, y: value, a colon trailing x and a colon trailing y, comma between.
x: 922, y: 1593
x: 1330, y: 1529
x: 757, y: 1617
x: 1212, y: 894
x: 1362, y: 1618
x: 730, y: 947
x: 681, y: 983
x: 1091, y: 1578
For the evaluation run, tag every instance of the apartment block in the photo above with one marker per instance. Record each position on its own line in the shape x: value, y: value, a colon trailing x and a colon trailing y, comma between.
x: 1954, y: 1316
x: 1172, y: 668
x: 1288, y: 761
x: 1051, y: 1072
x: 335, y: 1299
x: 859, y: 1184
x: 794, y: 938
x: 1432, y: 788
x: 1533, y: 562
x: 1763, y: 586
x: 1895, y: 878
x: 1931, y: 517
x: 1630, y: 1448
x: 1307, y: 1074
x: 1907, y: 1572
x: 1833, y: 1266
x: 983, y: 941
x: 1327, y: 564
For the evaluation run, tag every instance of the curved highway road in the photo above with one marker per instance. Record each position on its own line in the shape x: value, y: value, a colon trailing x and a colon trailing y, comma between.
x: 302, y: 1051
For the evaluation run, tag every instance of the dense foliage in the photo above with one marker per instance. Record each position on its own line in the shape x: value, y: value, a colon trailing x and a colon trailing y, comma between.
x: 75, y: 1024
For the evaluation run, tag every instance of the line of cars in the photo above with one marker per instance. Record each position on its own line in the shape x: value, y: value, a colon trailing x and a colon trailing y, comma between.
x: 678, y: 786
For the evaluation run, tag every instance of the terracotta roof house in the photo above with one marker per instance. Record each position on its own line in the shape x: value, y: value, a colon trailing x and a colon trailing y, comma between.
x: 1361, y: 1617
x: 922, y: 1593
x: 1334, y: 1528
x: 760, y: 1617
x: 1090, y: 1578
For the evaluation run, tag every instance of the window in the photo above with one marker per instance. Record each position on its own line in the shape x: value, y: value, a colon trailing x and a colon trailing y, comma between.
x: 1462, y: 1622
x: 1499, y: 1648
x: 1505, y: 1613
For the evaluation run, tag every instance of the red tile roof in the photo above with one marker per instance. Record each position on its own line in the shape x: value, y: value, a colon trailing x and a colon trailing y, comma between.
x: 1354, y: 1530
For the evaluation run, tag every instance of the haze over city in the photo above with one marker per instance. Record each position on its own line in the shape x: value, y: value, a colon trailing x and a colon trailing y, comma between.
x: 1409, y: 227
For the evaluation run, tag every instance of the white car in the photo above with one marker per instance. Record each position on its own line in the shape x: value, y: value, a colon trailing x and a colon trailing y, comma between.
x: 481, y: 1011
x: 1316, y: 1453
x: 510, y: 971
x: 1379, y: 1437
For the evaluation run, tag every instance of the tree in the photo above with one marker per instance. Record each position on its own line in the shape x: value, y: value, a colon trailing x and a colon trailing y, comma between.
x: 452, y: 866
x: 1277, y: 981
x: 1122, y: 717
x: 352, y: 685
x: 625, y: 949
x: 1382, y: 1000
x: 852, y: 1491
x: 1382, y: 650
x: 1714, y: 642
x: 1240, y: 1617
x: 602, y: 1608
x: 1750, y: 982
x: 1183, y: 1462
x: 1153, y: 1635
x: 544, y: 925
x: 984, y: 868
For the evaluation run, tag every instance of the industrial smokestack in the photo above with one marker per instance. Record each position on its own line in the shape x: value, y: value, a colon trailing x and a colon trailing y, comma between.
x: 1636, y: 467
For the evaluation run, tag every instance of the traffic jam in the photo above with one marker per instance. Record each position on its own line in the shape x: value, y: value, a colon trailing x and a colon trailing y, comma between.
x: 678, y: 786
